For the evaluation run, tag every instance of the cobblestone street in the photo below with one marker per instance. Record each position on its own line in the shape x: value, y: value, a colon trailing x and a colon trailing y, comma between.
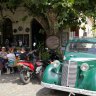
x: 10, y: 85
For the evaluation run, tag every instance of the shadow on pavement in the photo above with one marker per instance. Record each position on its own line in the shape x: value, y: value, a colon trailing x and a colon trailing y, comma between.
x: 46, y: 92
x: 10, y: 78
x: 14, y: 78
x: 43, y: 92
x: 35, y: 81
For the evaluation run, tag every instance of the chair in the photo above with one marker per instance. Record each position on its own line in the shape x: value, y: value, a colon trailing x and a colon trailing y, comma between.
x: 10, y: 66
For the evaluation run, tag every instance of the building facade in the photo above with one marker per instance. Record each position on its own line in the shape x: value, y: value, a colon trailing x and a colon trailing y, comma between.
x: 21, y: 29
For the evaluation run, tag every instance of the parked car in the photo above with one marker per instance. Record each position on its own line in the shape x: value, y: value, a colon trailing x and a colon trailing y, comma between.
x: 77, y: 72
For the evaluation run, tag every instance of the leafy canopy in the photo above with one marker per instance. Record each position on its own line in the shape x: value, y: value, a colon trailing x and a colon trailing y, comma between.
x: 67, y: 11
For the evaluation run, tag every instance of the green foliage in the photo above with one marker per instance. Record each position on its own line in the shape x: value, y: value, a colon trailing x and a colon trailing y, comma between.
x: 24, y: 18
x: 45, y: 55
x: 88, y: 7
x: 13, y: 4
x: 62, y: 8
x: 66, y: 11
x: 94, y: 28
x: 10, y: 4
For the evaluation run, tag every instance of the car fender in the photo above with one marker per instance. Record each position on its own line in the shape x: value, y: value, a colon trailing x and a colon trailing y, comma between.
x: 50, y: 75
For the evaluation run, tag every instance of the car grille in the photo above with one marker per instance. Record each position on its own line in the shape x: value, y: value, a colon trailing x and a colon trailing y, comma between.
x: 69, y: 73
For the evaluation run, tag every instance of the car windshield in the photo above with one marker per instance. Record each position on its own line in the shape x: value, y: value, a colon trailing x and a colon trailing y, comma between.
x: 81, y: 47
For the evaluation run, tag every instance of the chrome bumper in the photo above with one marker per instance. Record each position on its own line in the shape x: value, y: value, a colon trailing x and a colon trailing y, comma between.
x: 69, y: 89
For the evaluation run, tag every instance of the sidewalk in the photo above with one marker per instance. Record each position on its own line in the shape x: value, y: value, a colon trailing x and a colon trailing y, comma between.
x: 10, y: 85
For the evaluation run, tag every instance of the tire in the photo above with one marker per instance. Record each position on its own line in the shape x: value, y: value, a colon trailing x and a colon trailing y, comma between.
x: 25, y: 76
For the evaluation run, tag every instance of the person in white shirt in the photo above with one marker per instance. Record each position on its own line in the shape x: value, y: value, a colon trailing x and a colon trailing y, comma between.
x: 11, y: 59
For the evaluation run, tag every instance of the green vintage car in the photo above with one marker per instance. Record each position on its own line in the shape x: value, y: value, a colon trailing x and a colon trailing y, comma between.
x: 77, y: 72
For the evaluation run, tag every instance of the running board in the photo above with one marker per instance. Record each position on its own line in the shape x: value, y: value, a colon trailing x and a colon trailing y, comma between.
x: 69, y: 89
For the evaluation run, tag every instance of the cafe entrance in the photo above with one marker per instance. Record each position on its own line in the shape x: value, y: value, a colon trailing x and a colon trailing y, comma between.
x: 38, y: 35
x: 7, y: 33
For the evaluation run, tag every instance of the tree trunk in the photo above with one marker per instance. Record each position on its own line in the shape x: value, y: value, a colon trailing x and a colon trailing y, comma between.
x: 52, y: 19
x: 50, y: 23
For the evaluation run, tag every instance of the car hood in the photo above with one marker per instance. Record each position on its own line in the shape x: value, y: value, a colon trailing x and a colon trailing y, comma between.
x: 79, y: 56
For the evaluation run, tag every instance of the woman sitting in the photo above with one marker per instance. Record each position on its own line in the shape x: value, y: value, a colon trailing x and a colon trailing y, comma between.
x: 3, y: 59
x: 11, y: 60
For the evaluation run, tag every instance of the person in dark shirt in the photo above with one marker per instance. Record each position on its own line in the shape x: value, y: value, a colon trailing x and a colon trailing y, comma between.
x: 53, y: 55
x: 33, y: 56
x: 23, y: 54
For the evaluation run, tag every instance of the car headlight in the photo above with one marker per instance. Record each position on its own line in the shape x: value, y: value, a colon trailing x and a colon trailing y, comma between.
x: 84, y: 67
x: 56, y: 63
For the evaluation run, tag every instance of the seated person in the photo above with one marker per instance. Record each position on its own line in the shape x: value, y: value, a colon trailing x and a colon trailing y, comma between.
x: 3, y: 58
x: 17, y: 54
x: 33, y: 56
x: 11, y: 59
x: 23, y: 54
x: 3, y: 52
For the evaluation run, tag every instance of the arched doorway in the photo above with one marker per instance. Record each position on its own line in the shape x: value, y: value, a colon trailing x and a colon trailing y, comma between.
x: 7, y: 33
x: 38, y: 35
